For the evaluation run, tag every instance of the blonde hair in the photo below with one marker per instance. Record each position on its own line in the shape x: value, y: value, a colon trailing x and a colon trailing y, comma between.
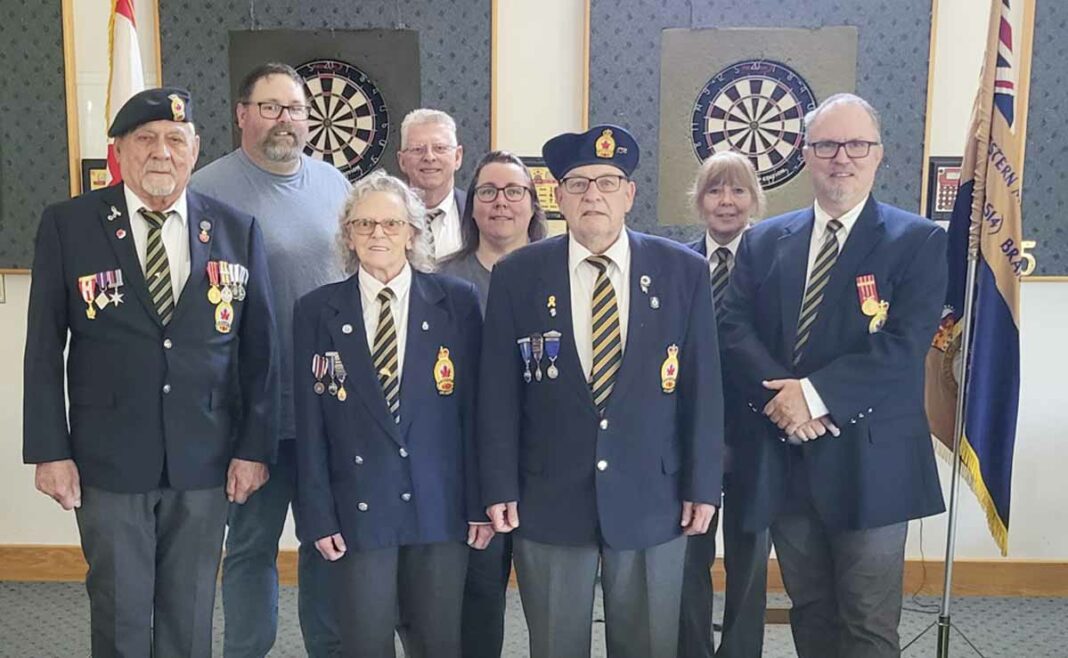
x: 728, y: 168
x: 420, y: 256
x: 425, y: 116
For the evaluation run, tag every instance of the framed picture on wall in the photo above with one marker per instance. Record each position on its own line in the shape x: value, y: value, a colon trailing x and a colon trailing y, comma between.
x: 545, y: 184
x: 943, y: 179
x: 94, y: 174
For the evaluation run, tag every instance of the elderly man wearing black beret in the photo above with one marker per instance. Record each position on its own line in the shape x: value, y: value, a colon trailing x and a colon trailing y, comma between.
x: 160, y: 296
x: 600, y: 411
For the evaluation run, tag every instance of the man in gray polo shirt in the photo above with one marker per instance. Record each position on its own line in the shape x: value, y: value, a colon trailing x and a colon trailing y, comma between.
x: 296, y: 201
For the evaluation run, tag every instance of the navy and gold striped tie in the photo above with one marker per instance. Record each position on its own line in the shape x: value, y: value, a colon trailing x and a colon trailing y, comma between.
x: 817, y: 281
x: 721, y: 276
x: 607, y: 340
x: 385, y: 357
x: 157, y: 267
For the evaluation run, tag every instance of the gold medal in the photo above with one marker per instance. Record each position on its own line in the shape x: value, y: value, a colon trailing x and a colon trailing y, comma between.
x: 669, y: 370
x: 341, y: 394
x: 214, y: 296
x: 869, y: 306
x: 444, y: 372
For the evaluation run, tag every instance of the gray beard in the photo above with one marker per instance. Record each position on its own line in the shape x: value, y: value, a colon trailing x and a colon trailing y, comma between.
x: 158, y: 190
x: 280, y: 152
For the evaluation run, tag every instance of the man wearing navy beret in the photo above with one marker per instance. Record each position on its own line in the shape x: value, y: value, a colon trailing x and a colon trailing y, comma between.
x: 160, y: 297
x: 600, y: 410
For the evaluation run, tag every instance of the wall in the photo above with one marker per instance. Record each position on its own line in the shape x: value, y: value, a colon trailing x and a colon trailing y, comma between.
x: 1041, y: 454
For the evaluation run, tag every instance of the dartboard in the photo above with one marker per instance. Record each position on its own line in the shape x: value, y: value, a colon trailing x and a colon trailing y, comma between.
x: 348, y: 124
x: 755, y: 107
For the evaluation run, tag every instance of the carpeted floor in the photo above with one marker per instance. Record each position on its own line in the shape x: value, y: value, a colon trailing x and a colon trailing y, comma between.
x: 46, y: 620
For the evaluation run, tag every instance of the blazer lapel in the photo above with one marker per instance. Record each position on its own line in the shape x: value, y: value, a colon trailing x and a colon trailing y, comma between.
x: 555, y: 281
x: 421, y: 346
x: 792, y: 257
x: 352, y: 347
x: 640, y: 315
x: 115, y: 219
x: 199, y: 252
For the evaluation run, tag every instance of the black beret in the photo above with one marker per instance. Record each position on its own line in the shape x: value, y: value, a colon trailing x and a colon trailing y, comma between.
x: 163, y: 103
x: 604, y: 144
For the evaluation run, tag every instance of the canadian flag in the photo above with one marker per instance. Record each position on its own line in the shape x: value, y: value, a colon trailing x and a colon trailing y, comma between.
x: 125, y: 75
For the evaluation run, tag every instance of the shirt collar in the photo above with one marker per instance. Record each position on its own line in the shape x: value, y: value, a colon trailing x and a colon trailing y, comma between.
x: 370, y: 286
x: 134, y: 205
x: 447, y: 204
x: 732, y: 246
x: 848, y: 219
x: 619, y: 252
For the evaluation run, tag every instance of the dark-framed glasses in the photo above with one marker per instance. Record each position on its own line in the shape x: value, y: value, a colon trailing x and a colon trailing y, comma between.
x: 271, y: 110
x: 421, y: 150
x: 579, y: 184
x: 488, y: 193
x: 854, y: 148
x: 364, y: 226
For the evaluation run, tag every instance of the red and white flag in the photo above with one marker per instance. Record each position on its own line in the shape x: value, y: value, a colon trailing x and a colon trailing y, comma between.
x: 125, y: 75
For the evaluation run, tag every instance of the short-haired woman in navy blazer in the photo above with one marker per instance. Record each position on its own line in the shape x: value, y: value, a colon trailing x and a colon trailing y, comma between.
x: 385, y: 367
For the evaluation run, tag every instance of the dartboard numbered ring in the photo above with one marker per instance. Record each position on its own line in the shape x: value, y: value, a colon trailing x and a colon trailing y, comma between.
x: 755, y: 107
x: 348, y: 125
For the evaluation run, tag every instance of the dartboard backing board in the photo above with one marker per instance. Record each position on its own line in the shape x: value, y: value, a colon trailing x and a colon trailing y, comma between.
x: 348, y: 126
x: 755, y: 107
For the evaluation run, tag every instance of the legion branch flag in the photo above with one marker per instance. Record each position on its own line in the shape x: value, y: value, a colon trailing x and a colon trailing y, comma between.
x: 986, y: 217
x: 125, y: 75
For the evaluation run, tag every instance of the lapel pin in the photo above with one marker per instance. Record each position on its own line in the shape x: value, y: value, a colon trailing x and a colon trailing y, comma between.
x: 346, y: 328
x: 551, y: 305
x: 120, y: 234
x: 205, y: 226
x: 114, y: 213
x: 426, y: 326
x: 644, y: 282
x: 654, y: 302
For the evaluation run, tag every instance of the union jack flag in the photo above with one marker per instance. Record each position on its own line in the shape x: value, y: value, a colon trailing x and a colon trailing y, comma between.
x: 1005, y: 74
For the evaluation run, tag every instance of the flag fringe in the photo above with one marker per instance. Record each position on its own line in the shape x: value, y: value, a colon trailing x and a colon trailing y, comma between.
x: 111, y: 63
x: 974, y: 477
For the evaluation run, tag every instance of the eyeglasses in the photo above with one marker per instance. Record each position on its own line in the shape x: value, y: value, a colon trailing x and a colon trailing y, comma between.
x: 362, y: 226
x: 854, y: 148
x: 579, y: 184
x: 488, y: 193
x: 269, y: 110
x: 421, y: 150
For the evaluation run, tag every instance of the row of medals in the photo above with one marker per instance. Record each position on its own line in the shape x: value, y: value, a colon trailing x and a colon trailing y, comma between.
x: 227, y: 285
x: 533, y: 348
x: 329, y: 365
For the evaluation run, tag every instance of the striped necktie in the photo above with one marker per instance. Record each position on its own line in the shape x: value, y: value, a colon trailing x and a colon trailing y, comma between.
x: 431, y: 217
x: 157, y: 268
x: 721, y: 276
x: 384, y: 356
x: 817, y: 281
x: 607, y: 341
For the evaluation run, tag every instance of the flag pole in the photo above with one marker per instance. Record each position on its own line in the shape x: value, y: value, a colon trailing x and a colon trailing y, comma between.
x: 944, y: 624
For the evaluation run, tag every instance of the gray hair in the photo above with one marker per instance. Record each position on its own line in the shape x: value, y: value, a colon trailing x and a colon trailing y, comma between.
x: 728, y: 168
x: 844, y: 99
x: 421, y: 255
x: 425, y: 116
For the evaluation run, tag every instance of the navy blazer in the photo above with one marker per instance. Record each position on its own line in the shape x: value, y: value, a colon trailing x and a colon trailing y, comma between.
x: 541, y: 443
x: 354, y: 463
x: 144, y: 395
x: 881, y: 469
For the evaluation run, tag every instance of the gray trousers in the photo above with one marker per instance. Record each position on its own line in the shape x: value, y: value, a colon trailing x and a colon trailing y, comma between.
x: 417, y: 590
x: 845, y: 586
x: 153, y: 558
x: 745, y: 557
x: 642, y: 590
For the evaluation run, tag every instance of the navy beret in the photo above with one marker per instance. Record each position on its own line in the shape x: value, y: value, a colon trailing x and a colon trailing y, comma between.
x: 163, y: 103
x: 603, y: 144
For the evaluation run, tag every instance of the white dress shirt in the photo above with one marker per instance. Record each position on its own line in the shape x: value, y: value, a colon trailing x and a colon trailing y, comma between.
x: 446, y: 229
x: 583, y: 278
x: 175, y: 235
x: 815, y: 403
x: 711, y: 246
x: 401, y: 285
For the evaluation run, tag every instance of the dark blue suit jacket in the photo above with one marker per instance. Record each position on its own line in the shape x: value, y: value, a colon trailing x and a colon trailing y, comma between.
x: 881, y: 469
x: 352, y: 452
x: 221, y: 394
x: 540, y: 443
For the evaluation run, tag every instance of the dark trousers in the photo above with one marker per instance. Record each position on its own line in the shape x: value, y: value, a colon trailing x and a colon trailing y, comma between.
x: 845, y: 586
x: 695, y: 616
x: 250, y: 573
x: 484, y: 598
x: 745, y: 559
x: 417, y: 590
x: 153, y: 558
x: 642, y: 590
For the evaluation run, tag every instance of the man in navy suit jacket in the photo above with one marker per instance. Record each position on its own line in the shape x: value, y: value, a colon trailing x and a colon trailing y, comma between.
x: 827, y: 319
x: 172, y: 381
x: 600, y: 410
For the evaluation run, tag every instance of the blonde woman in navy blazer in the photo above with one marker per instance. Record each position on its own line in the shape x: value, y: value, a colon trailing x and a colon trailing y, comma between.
x: 388, y: 493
